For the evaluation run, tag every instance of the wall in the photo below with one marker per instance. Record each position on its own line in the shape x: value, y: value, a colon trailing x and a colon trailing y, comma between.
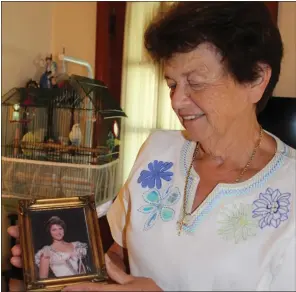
x: 26, y: 34
x: 287, y: 26
x: 52, y: 26
x: 30, y: 30
x: 74, y: 28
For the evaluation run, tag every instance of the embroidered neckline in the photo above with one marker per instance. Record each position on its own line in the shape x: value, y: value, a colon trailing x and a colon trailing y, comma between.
x: 189, y: 147
x: 225, y: 189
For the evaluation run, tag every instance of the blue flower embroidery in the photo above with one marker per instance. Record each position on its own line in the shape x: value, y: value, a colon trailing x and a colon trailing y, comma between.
x: 159, y: 206
x: 272, y: 207
x: 158, y: 170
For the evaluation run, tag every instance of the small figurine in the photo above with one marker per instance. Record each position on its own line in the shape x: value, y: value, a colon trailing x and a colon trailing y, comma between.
x: 75, y: 135
x: 32, y: 84
x: 53, y: 82
x: 51, y: 66
x: 49, y: 74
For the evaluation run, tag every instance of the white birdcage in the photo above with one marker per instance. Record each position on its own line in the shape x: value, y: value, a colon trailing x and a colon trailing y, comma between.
x: 46, y: 155
x: 24, y: 178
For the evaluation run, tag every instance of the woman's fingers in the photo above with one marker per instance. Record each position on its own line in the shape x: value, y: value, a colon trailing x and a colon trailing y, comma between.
x: 14, y: 231
x: 115, y: 273
x: 17, y: 262
x: 16, y: 250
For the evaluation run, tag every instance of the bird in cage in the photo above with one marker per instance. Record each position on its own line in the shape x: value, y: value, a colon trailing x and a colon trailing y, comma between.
x: 75, y: 135
x: 29, y: 139
x: 112, y: 142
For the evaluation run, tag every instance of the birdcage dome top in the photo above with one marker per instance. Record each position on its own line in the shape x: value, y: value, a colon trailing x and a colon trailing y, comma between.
x: 73, y: 91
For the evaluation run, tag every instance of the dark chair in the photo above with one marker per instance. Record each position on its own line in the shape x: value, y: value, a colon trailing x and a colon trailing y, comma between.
x: 107, y: 239
x: 279, y: 118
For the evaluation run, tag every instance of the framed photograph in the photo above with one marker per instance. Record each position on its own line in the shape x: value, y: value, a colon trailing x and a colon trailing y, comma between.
x: 61, y: 243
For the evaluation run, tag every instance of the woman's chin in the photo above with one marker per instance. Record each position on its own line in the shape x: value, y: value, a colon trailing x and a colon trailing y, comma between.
x: 192, y: 136
x: 195, y: 131
x: 59, y: 239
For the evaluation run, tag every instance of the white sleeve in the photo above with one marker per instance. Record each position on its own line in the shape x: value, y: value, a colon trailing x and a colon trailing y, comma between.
x: 117, y: 217
x: 45, y: 251
x: 118, y: 213
x: 284, y: 274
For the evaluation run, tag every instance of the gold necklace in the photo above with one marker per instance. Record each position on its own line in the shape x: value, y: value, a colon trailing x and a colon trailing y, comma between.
x: 185, y: 214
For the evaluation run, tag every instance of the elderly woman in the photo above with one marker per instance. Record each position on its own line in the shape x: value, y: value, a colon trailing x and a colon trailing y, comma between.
x: 213, y: 207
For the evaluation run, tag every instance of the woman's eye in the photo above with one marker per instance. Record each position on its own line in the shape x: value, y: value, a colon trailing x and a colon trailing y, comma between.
x: 196, y: 86
x: 172, y: 86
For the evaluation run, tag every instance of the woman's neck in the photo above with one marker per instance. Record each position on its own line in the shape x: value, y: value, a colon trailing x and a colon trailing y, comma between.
x: 58, y: 242
x: 235, y: 146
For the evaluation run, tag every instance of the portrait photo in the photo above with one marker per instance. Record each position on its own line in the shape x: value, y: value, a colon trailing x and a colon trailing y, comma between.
x: 61, y: 242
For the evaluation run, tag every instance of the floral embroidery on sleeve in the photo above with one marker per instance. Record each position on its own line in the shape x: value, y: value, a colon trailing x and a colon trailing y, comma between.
x: 272, y: 208
x: 157, y: 170
x: 159, y: 205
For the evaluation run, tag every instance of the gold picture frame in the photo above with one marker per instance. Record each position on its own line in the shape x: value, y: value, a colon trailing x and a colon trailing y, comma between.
x: 32, y: 215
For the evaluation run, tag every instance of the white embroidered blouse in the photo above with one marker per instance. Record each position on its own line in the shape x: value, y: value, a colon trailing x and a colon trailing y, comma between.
x: 64, y: 264
x: 242, y: 237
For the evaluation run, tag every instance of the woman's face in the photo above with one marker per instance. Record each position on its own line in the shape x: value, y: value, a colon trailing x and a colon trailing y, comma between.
x: 206, y: 99
x: 57, y: 232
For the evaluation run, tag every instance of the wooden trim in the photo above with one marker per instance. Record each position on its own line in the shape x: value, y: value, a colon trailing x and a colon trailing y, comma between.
x: 116, y: 48
x: 109, y: 45
x: 273, y: 8
x: 102, y: 42
x: 109, y: 51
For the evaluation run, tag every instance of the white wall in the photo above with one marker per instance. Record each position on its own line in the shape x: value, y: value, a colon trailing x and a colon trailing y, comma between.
x: 287, y: 26
x: 30, y: 30
x: 26, y: 35
x: 74, y: 27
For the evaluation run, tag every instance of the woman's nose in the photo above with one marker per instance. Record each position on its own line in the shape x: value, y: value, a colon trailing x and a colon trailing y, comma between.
x: 179, y: 97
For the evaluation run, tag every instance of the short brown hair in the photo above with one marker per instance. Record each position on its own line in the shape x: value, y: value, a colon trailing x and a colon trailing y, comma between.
x: 243, y: 32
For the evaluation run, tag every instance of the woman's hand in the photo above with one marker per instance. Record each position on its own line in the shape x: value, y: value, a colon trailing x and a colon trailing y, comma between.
x: 124, y: 282
x: 16, y: 259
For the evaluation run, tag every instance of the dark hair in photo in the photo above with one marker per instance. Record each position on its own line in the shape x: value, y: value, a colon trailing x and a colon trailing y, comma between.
x: 54, y: 220
x: 243, y: 33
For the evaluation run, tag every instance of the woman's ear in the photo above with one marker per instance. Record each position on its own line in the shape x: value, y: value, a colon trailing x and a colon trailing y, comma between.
x: 258, y: 86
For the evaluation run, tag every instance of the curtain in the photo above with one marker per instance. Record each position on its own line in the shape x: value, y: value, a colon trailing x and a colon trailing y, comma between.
x: 145, y: 95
